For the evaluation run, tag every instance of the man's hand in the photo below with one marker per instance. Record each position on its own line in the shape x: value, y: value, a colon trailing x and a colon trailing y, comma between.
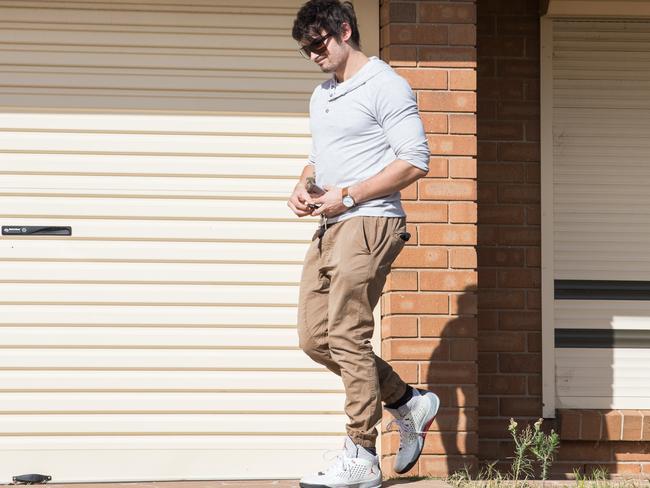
x: 298, y: 201
x: 330, y: 202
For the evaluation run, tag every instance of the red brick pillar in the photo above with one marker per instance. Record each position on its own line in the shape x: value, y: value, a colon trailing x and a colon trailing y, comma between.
x: 429, y: 308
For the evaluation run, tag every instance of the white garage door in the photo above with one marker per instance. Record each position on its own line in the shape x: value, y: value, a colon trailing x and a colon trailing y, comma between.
x: 601, y: 201
x: 157, y: 341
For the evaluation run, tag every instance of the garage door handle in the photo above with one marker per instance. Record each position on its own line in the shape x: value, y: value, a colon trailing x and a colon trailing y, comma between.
x: 30, y: 230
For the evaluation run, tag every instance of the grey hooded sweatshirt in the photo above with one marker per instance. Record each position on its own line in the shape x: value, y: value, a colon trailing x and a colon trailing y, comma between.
x: 362, y: 125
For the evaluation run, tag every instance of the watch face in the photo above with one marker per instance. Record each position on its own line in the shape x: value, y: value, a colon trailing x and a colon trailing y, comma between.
x: 348, y: 201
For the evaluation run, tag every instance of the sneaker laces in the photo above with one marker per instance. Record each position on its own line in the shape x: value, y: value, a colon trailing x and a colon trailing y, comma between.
x: 406, y: 429
x: 337, y: 462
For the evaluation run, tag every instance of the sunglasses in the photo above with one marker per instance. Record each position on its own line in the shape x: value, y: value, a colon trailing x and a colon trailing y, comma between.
x: 317, y: 46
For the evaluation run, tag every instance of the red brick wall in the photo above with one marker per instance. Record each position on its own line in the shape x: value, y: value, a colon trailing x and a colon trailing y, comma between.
x: 509, y: 238
x: 429, y: 308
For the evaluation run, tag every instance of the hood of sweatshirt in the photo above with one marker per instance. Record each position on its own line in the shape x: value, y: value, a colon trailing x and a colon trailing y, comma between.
x: 372, y: 68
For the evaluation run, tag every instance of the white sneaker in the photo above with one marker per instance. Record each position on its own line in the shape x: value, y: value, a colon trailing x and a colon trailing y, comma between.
x: 413, y: 419
x: 354, y: 467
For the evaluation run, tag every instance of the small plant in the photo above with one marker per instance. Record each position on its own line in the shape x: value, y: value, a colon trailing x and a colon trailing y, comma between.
x: 544, y: 447
x: 522, y: 465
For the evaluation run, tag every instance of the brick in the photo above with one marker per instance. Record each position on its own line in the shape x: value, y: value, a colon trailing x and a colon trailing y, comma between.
x: 533, y: 215
x: 501, y: 172
x: 455, y: 419
x: 462, y: 213
x: 519, y: 278
x: 399, y: 326
x: 502, y: 341
x: 500, y: 89
x: 493, y: 428
x: 612, y: 425
x: 453, y: 234
x: 532, y: 92
x: 443, y: 280
x: 591, y: 425
x: 632, y: 425
x: 462, y: 35
x: 502, y: 214
x: 486, y: 24
x: 415, y: 349
x: 518, y: 151
x: 502, y: 46
x: 513, y: 110
x: 500, y: 384
x: 448, y: 326
x: 401, y: 56
x: 517, y: 25
x: 462, y: 124
x: 487, y: 151
x: 585, y: 451
x: 462, y: 258
x: 519, y: 193
x: 452, y: 145
x: 518, y: 68
x: 520, y: 363
x: 497, y: 256
x: 407, y: 371
x: 498, y: 299
x: 426, y: 212
x: 533, y: 172
x: 646, y: 426
x: 438, y: 168
x: 417, y: 34
x: 421, y: 257
x: 519, y: 236
x: 447, y: 101
x: 631, y: 451
x: 413, y: 303
x: 501, y: 131
x: 462, y: 79
x: 447, y: 13
x: 425, y: 79
x: 462, y: 168
x: 434, y: 123
x: 410, y: 192
x: 486, y: 67
x: 569, y: 424
x: 463, y: 303
x: 533, y: 299
x: 447, y: 57
x: 443, y: 466
x: 534, y: 342
x: 434, y: 189
x: 488, y: 235
x: 487, y: 362
x: 399, y: 280
x: 520, y: 406
x: 534, y: 385
x: 402, y: 11
x: 463, y: 350
x: 534, y: 257
x: 489, y: 407
x: 447, y: 373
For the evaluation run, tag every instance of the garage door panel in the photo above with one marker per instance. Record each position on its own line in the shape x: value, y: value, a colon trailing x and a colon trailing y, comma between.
x: 169, y: 359
x: 204, y: 273
x: 162, y: 315
x: 123, y: 337
x: 207, y: 295
x: 148, y: 165
x: 157, y: 403
x: 115, y: 251
x: 176, y: 230
x: 162, y: 208
x: 164, y: 424
x: 130, y: 143
x: 194, y: 381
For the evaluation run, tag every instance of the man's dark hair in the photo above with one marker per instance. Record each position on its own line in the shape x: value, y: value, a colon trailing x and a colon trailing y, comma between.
x: 328, y: 15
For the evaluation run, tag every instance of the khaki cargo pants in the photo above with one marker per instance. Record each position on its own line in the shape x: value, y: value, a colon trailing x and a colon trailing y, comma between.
x: 343, y: 276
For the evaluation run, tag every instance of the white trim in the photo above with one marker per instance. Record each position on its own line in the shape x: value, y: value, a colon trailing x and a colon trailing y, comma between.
x: 546, y: 126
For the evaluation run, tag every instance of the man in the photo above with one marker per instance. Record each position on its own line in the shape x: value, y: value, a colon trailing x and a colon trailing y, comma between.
x: 368, y: 144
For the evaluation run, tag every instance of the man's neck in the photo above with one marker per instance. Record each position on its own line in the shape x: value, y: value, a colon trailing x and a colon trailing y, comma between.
x: 356, y: 60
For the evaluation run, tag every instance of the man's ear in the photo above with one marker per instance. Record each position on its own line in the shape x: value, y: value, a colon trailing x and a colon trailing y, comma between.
x: 346, y: 32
